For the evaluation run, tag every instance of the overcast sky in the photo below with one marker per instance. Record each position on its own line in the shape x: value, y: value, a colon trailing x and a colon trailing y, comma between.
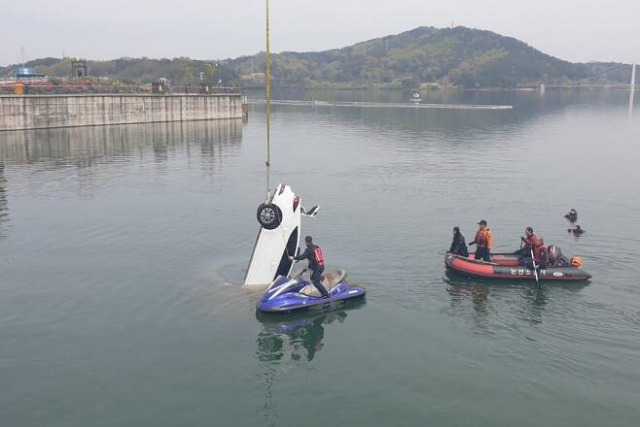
x: 575, y: 30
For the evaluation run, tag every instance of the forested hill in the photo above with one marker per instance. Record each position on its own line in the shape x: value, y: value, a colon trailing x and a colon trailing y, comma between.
x: 457, y: 56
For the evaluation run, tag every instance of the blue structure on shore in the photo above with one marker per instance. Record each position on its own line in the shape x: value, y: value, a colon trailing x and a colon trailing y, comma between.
x: 26, y: 73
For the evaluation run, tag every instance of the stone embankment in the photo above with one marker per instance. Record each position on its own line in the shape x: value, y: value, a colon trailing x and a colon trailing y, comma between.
x: 19, y: 112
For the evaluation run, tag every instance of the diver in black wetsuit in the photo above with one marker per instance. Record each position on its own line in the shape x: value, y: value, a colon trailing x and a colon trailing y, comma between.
x: 458, y: 245
x: 572, y: 216
x: 578, y: 231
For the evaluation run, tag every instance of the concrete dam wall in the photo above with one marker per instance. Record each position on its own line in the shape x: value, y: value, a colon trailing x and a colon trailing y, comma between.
x: 59, y: 111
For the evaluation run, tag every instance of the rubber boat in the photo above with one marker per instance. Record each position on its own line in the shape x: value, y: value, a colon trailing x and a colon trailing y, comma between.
x: 505, y: 266
x: 286, y: 295
x: 507, y: 258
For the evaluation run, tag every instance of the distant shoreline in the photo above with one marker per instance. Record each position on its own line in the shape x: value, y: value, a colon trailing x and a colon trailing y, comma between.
x: 450, y: 88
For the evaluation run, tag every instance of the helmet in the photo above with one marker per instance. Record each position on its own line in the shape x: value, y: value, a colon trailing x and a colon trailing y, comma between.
x: 576, y: 261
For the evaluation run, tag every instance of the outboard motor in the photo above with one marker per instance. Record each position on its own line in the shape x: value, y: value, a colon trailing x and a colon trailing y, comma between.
x: 554, y: 254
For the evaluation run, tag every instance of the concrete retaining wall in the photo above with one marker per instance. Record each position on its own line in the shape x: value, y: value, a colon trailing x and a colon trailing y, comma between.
x: 55, y: 111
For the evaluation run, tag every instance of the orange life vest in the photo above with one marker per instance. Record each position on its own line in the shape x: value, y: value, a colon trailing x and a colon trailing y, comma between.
x: 317, y: 252
x: 539, y: 252
x: 576, y: 261
x: 532, y: 241
x: 484, y: 238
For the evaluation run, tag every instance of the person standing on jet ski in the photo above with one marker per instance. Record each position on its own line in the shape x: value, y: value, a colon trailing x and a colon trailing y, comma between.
x: 314, y: 255
x: 458, y: 245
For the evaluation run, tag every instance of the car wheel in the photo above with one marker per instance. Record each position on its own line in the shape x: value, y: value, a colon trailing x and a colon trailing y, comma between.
x: 269, y: 216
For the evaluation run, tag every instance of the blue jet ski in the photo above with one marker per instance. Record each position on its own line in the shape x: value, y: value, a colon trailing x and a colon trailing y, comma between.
x: 286, y: 295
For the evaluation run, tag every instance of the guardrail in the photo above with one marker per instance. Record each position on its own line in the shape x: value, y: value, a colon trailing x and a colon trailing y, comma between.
x: 50, y: 89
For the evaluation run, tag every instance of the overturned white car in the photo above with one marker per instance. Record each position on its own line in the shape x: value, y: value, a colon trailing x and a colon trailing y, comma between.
x: 278, y: 238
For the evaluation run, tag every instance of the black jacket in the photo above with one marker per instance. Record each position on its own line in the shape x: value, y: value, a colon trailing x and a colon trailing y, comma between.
x: 458, y: 245
x: 309, y: 254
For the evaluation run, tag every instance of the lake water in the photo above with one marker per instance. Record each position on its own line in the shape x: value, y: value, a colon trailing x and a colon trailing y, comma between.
x: 122, y: 251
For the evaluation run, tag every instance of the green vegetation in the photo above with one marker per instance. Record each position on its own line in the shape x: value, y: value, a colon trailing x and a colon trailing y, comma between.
x: 457, y: 56
x: 180, y: 71
x: 423, y: 57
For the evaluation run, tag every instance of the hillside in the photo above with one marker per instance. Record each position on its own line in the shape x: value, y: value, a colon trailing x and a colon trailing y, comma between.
x: 459, y: 56
x: 451, y: 56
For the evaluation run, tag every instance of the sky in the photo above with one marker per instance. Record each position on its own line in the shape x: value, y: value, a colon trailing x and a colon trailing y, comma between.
x: 574, y: 30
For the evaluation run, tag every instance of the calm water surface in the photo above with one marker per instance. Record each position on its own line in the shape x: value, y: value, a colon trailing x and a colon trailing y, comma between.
x: 122, y: 250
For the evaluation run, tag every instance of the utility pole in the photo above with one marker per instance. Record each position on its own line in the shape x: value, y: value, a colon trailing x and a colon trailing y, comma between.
x: 632, y: 89
x: 268, y: 92
x: 22, y: 54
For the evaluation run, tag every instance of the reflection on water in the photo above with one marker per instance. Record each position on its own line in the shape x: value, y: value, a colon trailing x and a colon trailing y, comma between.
x: 457, y: 124
x: 293, y: 339
x: 4, y: 210
x: 86, y: 147
x: 480, y: 301
x: 535, y: 300
x: 290, y: 341
x: 470, y: 300
x: 43, y: 162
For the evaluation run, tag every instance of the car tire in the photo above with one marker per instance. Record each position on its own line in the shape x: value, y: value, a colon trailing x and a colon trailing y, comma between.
x: 269, y: 216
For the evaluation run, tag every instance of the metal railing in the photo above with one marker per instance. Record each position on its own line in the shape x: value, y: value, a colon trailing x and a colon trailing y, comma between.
x: 215, y: 90
x: 66, y: 89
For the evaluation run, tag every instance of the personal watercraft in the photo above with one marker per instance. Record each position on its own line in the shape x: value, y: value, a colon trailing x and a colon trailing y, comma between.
x: 286, y: 295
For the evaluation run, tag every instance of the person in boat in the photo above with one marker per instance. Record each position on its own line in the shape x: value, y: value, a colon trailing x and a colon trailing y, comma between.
x: 529, y: 243
x: 540, y: 256
x: 314, y: 255
x: 484, y: 242
x: 458, y: 245
x: 572, y: 216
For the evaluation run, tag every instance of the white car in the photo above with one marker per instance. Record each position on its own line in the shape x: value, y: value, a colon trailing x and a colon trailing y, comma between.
x: 278, y: 238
